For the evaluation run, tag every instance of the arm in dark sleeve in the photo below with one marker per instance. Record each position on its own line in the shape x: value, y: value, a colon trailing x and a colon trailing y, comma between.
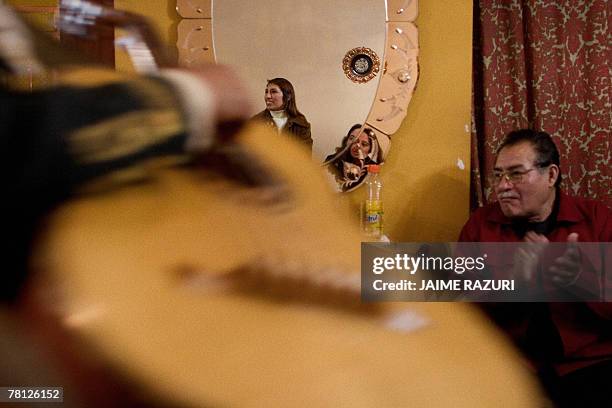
x: 55, y: 140
x: 65, y: 136
x: 307, y: 137
x: 300, y: 129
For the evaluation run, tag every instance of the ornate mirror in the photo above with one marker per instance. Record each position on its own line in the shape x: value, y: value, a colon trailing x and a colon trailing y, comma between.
x: 350, y: 62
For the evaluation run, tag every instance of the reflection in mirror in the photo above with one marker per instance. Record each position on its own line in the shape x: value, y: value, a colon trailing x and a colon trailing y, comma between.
x: 304, y: 42
x: 348, y: 165
x: 282, y: 113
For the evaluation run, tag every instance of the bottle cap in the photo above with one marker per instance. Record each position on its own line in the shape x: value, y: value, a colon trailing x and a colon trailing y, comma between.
x: 373, y: 168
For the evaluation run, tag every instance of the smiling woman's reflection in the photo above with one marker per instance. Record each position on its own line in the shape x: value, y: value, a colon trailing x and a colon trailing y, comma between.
x: 358, y: 149
x: 282, y: 113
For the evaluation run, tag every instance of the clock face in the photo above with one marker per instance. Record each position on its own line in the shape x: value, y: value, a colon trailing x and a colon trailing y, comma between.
x: 361, y: 64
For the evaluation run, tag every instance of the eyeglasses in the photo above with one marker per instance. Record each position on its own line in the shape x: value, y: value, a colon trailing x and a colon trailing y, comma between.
x: 514, y: 176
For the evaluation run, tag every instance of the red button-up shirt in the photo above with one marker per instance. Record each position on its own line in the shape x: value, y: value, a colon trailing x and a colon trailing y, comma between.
x: 585, y: 329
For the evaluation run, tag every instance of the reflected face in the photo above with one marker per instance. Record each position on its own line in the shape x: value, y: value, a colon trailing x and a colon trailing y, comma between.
x: 361, y: 146
x: 274, y: 98
x: 532, y: 192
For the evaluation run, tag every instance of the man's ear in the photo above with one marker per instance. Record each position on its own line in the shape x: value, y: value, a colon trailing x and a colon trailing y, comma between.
x: 553, y: 174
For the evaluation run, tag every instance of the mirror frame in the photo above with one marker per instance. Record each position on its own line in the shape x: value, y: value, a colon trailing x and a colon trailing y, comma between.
x: 400, y: 68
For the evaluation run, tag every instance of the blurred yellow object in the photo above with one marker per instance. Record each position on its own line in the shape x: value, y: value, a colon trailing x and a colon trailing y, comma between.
x: 118, y: 258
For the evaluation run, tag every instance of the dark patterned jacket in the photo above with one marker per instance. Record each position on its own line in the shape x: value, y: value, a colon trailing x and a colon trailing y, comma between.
x: 58, y: 135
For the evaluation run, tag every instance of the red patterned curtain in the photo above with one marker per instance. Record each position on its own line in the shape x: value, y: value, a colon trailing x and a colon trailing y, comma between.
x: 544, y: 64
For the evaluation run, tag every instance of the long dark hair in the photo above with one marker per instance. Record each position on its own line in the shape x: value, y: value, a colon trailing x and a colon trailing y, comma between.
x: 288, y: 97
x: 346, y: 156
x: 348, y: 134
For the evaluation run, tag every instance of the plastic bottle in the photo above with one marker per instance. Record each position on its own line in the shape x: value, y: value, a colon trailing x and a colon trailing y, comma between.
x: 372, y: 207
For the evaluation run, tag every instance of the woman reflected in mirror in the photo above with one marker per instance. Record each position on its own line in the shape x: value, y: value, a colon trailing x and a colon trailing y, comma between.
x: 358, y: 149
x: 282, y: 113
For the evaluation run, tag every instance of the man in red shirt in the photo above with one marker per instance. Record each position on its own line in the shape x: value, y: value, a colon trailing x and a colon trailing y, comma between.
x: 570, y: 344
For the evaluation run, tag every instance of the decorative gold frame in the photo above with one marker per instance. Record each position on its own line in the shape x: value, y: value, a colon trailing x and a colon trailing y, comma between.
x: 349, y: 70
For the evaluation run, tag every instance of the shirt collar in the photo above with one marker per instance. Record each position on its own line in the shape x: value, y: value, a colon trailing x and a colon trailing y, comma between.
x: 568, y: 211
x: 278, y: 114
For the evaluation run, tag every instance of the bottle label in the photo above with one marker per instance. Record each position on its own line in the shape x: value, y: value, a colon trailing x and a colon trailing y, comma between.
x: 372, y: 218
x: 372, y: 224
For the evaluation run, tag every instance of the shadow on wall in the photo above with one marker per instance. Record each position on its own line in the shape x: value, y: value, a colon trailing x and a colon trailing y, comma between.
x: 430, y: 208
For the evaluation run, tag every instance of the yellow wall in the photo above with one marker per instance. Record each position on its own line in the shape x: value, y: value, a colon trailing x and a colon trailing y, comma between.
x: 31, y: 2
x: 426, y: 194
x: 42, y: 18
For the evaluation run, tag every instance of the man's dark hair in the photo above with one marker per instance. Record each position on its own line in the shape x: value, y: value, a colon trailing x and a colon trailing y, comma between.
x: 542, y: 142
